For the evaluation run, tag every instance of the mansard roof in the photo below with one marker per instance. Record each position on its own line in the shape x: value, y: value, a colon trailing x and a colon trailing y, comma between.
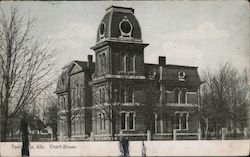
x: 170, y: 73
x: 119, y: 22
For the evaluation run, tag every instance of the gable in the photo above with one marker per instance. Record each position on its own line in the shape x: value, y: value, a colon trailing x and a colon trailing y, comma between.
x: 75, y: 69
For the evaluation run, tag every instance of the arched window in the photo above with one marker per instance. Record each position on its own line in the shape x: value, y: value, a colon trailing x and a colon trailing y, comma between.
x: 100, y: 121
x: 156, y: 122
x: 184, y: 96
x: 125, y: 62
x: 129, y: 94
x: 177, y: 120
x: 104, y: 63
x: 104, y: 121
x: 62, y: 102
x: 131, y: 121
x: 103, y: 95
x: 134, y: 63
x: 123, y: 121
x: 100, y: 95
x: 184, y: 121
x: 129, y: 64
x: 100, y: 63
x: 176, y: 95
x: 77, y: 94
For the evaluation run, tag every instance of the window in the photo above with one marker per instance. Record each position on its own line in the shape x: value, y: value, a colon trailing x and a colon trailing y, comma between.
x: 104, y: 121
x: 103, y: 63
x: 100, y: 121
x: 181, y: 120
x: 103, y: 95
x: 125, y: 63
x: 100, y: 95
x: 184, y: 96
x: 177, y: 120
x: 62, y: 79
x: 129, y: 94
x: 77, y: 89
x: 78, y: 101
x: 129, y: 64
x: 181, y: 76
x: 156, y: 119
x: 123, y: 121
x: 128, y: 121
x: 176, y: 95
x: 63, y: 103
x: 184, y: 121
x: 100, y: 63
x: 131, y: 121
x: 134, y: 63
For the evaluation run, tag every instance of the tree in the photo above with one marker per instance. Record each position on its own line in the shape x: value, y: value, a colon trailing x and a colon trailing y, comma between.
x: 25, y: 64
x: 150, y: 106
x: 224, y: 97
x: 52, y: 116
x: 109, y: 100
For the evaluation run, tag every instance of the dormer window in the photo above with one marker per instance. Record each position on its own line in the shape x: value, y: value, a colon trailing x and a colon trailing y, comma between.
x: 182, y: 76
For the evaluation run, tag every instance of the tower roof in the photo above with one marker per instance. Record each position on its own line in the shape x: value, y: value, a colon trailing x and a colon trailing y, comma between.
x: 119, y: 24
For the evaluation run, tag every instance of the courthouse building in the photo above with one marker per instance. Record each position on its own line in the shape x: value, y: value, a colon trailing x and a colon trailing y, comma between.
x: 162, y: 98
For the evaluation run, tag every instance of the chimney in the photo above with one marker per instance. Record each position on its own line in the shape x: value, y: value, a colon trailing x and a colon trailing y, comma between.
x: 90, y: 60
x: 162, y: 60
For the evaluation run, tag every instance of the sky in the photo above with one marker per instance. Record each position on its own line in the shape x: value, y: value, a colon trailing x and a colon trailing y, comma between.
x: 195, y: 33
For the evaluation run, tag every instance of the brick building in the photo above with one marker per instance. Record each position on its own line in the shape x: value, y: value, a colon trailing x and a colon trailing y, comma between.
x: 120, y: 94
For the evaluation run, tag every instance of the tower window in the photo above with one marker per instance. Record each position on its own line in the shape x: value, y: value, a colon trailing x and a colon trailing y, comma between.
x: 102, y: 28
x: 134, y: 63
x: 128, y: 63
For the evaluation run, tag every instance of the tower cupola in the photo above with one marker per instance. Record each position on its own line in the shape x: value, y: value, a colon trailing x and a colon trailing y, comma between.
x: 119, y: 24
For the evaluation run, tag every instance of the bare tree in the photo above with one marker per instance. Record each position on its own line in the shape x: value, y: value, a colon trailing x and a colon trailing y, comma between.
x: 110, y: 99
x: 224, y: 97
x: 25, y: 64
x: 52, y: 115
x: 151, y: 104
